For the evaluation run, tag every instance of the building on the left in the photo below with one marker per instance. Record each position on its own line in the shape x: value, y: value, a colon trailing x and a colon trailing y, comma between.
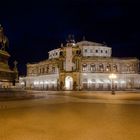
x: 8, y: 77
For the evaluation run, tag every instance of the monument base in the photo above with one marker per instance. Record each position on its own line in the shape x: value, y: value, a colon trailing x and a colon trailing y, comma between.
x: 7, y: 76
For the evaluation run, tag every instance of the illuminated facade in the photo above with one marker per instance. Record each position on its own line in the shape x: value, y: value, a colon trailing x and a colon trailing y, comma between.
x: 82, y: 66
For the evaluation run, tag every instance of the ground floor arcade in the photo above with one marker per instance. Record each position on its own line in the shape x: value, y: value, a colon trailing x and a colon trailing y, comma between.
x: 82, y: 81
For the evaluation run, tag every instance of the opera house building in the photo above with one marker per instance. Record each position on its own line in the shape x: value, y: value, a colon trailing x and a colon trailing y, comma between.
x: 83, y: 65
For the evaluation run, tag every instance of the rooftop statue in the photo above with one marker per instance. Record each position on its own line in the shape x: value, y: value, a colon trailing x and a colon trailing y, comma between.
x: 70, y: 39
x: 3, y: 39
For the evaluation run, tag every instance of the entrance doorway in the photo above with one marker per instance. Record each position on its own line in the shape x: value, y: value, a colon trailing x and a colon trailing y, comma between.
x: 69, y: 83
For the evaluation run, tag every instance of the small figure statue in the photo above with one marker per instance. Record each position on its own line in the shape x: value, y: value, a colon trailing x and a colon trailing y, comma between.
x: 70, y: 41
x: 3, y: 39
x: 16, y: 71
x: 15, y: 65
x: 84, y: 38
x: 62, y: 45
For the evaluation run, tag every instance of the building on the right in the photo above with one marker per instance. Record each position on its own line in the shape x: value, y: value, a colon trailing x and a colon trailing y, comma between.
x: 84, y: 65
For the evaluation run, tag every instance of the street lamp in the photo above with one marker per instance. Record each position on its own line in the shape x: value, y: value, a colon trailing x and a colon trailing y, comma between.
x: 112, y: 77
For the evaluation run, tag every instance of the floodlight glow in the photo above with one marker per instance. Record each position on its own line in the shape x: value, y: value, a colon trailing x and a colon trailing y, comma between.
x: 122, y: 82
x: 46, y: 82
x: 68, y: 82
x: 112, y: 76
x: 53, y: 82
x: 22, y: 83
x: 41, y: 82
x: 36, y: 82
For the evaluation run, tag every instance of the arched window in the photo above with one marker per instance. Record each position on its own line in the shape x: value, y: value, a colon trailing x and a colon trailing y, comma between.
x: 96, y: 51
x: 43, y: 70
x: 47, y: 69
x: 128, y: 67
x: 131, y: 68
x: 85, y: 50
x: 92, y: 67
x: 115, y: 68
x: 101, y: 67
x: 91, y: 50
x: 40, y: 70
x: 61, y: 53
x: 85, y: 80
x: 84, y: 67
x: 108, y: 68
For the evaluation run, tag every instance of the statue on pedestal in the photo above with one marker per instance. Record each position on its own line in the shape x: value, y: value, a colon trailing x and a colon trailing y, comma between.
x: 3, y: 39
x: 8, y: 77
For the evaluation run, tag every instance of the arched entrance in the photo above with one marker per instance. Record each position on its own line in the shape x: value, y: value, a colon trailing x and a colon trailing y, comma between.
x: 69, y: 83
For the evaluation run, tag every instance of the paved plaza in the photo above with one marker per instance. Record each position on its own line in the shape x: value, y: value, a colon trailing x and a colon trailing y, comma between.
x: 95, y: 116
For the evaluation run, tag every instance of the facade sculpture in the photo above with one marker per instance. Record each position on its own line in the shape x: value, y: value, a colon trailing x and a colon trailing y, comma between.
x: 83, y: 65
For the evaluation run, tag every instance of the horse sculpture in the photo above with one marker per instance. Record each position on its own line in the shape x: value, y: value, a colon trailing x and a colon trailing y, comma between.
x: 3, y: 39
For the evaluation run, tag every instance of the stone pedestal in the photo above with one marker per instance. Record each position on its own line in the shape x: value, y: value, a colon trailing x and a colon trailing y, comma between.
x: 7, y: 76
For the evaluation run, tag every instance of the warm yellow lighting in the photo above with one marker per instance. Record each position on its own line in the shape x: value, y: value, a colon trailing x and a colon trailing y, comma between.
x: 53, y: 82
x: 68, y: 83
x: 41, y: 82
x: 122, y: 82
x: 22, y: 83
x: 36, y: 82
x: 46, y: 82
x: 112, y: 76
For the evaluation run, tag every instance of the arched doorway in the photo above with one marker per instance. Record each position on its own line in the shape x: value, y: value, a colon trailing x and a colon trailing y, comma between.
x: 69, y: 83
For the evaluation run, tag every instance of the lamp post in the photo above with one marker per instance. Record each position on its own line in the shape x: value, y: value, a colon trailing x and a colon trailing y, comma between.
x: 112, y: 77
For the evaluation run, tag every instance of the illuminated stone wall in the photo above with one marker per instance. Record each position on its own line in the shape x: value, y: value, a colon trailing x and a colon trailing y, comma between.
x: 82, y: 66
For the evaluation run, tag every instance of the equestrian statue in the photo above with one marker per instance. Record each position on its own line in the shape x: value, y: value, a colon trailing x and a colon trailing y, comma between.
x: 4, y: 43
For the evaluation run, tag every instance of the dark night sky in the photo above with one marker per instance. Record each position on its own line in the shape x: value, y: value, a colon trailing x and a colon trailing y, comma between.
x: 35, y: 27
